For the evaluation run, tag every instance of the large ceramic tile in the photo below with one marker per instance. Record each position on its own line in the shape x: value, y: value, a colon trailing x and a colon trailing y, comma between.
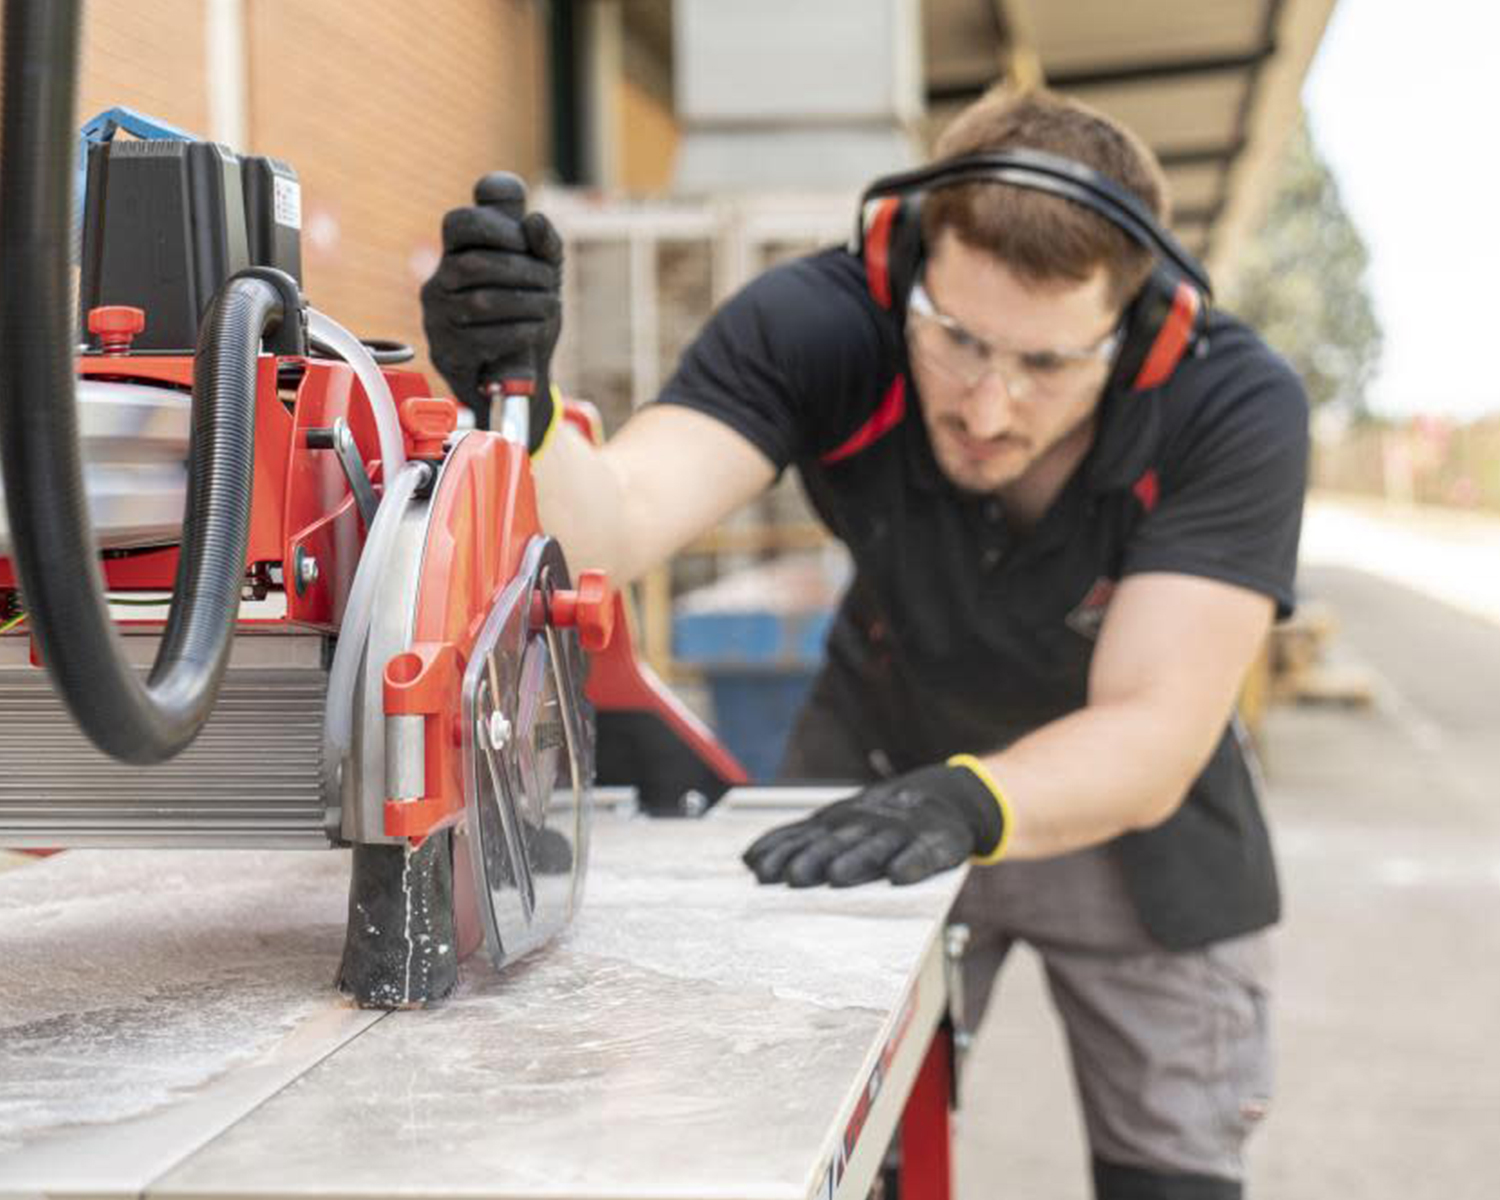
x: 150, y: 999
x: 693, y: 1035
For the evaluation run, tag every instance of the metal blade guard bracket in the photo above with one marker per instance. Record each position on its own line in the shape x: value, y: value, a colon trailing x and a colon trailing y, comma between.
x: 528, y: 740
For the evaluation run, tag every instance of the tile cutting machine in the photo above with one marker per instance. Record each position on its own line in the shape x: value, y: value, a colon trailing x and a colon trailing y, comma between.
x: 258, y: 588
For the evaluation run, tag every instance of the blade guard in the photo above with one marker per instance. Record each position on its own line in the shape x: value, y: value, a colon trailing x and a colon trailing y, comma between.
x: 528, y: 742
x: 487, y: 729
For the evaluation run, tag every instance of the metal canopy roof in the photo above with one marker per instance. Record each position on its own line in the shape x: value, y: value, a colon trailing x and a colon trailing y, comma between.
x: 1211, y: 85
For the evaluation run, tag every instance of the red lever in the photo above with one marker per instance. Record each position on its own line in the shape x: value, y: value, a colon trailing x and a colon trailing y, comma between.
x: 115, y: 325
x: 427, y: 421
x: 590, y: 608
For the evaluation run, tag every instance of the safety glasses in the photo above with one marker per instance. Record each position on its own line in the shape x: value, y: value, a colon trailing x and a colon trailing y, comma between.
x: 966, y: 358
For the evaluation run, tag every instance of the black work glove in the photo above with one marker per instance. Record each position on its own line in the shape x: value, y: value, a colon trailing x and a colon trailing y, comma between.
x: 901, y: 829
x: 493, y: 307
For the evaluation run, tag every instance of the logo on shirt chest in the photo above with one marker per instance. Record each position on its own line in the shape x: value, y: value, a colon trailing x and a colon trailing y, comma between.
x: 1088, y: 616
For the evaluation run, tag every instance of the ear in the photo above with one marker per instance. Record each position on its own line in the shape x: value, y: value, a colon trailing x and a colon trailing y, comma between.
x: 1162, y: 324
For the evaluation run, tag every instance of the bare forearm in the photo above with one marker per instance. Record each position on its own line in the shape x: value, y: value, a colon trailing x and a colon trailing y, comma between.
x: 1093, y: 775
x: 582, y: 504
x: 1162, y: 687
x: 667, y: 476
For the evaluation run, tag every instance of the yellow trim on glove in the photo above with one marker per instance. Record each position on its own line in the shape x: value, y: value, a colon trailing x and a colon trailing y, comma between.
x: 552, y: 424
x: 1007, y: 817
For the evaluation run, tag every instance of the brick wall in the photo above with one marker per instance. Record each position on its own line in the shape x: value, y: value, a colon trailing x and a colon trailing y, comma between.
x: 147, y: 55
x: 648, y: 138
x: 389, y: 112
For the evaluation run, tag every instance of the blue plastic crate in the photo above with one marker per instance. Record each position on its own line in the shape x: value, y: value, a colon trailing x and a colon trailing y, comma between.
x: 754, y: 710
x: 759, y: 667
x: 749, y: 637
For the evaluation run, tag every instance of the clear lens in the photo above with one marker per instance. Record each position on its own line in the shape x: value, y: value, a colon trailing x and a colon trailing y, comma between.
x: 947, y: 347
x: 958, y: 356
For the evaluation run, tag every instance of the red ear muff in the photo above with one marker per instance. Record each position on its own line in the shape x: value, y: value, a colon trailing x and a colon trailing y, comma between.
x: 1161, y: 323
x: 1172, y: 339
x: 877, y: 249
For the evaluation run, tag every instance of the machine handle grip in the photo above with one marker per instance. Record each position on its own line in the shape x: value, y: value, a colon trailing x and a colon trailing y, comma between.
x: 506, y: 193
x: 503, y: 191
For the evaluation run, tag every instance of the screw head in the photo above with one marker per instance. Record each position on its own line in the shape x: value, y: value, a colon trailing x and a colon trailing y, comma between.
x: 498, y: 730
x: 694, y: 803
x: 305, y: 570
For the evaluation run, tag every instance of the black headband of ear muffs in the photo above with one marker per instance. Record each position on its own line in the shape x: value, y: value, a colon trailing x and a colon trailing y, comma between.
x: 1056, y: 176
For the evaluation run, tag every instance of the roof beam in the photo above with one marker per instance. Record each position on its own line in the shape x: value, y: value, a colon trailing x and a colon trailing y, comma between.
x: 1119, y: 74
x: 1203, y: 214
x: 1162, y: 69
x: 1201, y: 156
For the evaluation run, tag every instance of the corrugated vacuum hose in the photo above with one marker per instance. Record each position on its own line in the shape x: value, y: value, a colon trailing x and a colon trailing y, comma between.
x: 53, y: 545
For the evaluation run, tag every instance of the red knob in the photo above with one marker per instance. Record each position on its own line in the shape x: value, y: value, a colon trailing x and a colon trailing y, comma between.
x: 115, y: 325
x: 596, y: 611
x: 590, y: 608
x: 427, y: 421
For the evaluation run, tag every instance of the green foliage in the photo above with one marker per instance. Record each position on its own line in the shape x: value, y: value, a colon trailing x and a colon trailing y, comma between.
x: 1302, y: 283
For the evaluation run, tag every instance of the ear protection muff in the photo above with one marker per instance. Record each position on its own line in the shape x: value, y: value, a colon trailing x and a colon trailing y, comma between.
x: 1163, y: 322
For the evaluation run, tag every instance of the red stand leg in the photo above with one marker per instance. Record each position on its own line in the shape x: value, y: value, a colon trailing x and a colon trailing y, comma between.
x: 926, y: 1139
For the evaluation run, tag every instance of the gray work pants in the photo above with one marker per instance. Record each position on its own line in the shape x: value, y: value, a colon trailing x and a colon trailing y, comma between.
x: 1170, y: 1050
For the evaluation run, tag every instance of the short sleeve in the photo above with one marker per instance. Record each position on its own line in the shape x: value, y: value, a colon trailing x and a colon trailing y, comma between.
x: 788, y: 360
x: 1232, y: 486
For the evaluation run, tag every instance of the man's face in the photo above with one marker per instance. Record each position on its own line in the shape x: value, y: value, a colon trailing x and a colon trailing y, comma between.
x: 1007, y: 369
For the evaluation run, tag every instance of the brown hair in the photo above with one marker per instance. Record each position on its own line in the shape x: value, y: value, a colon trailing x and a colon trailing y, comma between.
x: 1041, y: 237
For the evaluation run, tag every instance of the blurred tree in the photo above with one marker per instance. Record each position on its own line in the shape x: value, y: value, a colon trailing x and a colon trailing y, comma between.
x: 1303, y: 283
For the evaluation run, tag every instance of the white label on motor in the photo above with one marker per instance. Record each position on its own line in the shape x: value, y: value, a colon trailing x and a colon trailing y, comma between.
x: 288, y: 200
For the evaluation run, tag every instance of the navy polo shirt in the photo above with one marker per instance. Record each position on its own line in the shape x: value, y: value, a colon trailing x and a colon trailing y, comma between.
x: 960, y: 634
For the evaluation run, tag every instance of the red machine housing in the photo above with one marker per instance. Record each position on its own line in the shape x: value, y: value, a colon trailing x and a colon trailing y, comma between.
x: 484, y: 514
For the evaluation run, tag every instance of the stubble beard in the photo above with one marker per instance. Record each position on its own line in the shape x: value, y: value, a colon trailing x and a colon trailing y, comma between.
x: 980, y: 476
x: 986, y: 478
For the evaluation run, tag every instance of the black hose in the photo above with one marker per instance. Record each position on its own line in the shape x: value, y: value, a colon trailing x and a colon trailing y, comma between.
x: 53, y: 547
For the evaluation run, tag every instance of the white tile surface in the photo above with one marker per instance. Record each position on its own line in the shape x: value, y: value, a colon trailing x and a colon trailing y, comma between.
x: 149, y: 1000
x: 693, y: 1035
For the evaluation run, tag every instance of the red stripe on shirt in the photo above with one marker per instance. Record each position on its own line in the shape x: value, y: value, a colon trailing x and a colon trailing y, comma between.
x: 886, y: 417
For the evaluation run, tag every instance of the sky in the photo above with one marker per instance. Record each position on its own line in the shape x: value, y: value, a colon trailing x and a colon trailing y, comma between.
x: 1404, y: 102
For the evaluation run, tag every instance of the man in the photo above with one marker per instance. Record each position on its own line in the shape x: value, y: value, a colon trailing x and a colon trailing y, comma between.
x: 1060, y: 582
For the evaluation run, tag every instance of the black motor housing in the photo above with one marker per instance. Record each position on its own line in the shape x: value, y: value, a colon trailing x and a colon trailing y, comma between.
x: 167, y: 222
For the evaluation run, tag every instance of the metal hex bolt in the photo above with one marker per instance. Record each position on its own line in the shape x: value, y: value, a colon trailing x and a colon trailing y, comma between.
x: 306, y: 570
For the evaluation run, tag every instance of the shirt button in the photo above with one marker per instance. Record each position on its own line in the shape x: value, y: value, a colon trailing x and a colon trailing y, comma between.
x: 993, y: 513
x: 990, y: 559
